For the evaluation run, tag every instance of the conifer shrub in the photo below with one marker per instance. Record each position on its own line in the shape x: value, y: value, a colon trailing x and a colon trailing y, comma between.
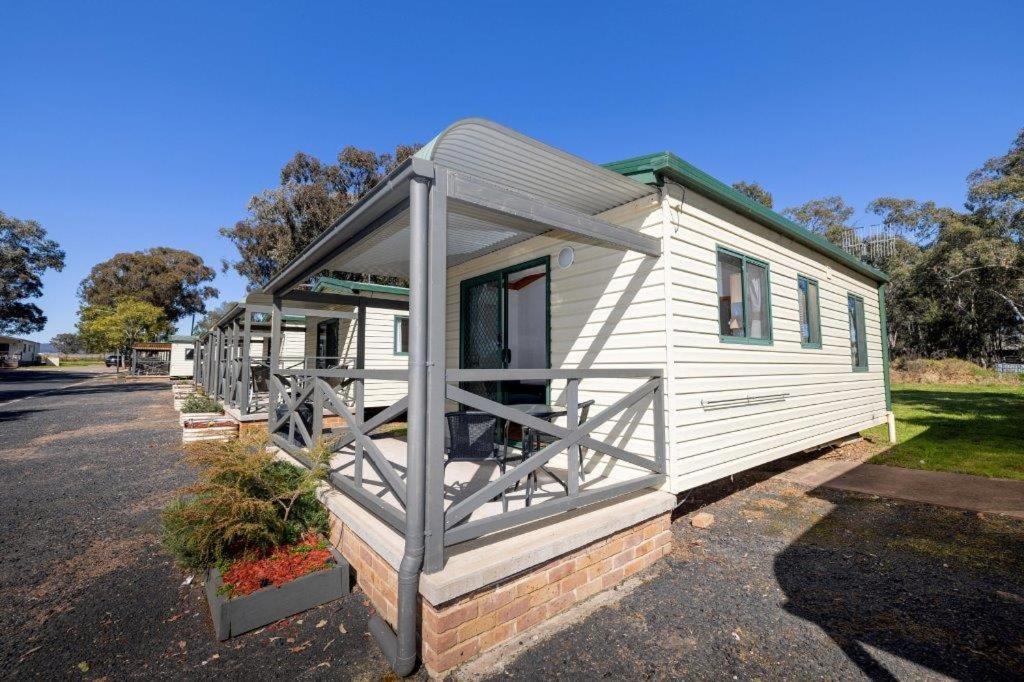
x: 198, y: 402
x: 244, y: 504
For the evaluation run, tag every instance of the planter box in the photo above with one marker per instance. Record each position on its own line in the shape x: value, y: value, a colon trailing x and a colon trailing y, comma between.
x: 186, y: 416
x: 234, y: 616
x: 198, y: 429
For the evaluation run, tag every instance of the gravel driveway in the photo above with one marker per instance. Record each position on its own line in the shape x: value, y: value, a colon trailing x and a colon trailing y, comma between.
x: 785, y: 585
x: 791, y: 585
x: 85, y: 589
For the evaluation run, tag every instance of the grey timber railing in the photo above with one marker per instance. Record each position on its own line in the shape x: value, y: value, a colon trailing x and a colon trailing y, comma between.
x: 303, y: 396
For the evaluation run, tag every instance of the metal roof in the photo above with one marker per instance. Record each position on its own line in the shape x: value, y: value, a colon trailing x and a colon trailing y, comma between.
x: 372, y: 237
x: 492, y: 152
x: 666, y: 164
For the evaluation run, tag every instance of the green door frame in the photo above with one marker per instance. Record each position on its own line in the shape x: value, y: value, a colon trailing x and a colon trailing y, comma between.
x: 502, y: 276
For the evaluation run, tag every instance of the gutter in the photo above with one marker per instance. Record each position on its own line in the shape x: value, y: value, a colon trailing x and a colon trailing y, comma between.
x: 653, y: 167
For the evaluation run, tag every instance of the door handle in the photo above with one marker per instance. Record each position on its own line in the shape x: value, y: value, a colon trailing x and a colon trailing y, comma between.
x: 506, y: 355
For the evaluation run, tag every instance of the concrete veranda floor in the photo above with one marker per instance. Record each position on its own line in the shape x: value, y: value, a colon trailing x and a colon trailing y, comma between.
x: 790, y: 582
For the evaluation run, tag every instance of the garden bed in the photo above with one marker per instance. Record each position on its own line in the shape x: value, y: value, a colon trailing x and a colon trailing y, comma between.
x: 233, y: 615
x: 197, y: 427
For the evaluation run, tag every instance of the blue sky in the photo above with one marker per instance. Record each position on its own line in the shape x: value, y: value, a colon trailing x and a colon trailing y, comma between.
x: 141, y: 124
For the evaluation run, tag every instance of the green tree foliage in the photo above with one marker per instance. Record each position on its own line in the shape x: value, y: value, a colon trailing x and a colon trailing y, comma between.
x: 25, y: 254
x: 755, y: 192
x: 828, y: 216
x: 962, y: 293
x: 119, y: 327
x: 67, y: 343
x: 311, y: 197
x: 206, y: 322
x: 171, y: 279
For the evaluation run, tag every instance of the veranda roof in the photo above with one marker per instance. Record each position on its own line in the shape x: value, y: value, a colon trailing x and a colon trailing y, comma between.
x: 372, y: 238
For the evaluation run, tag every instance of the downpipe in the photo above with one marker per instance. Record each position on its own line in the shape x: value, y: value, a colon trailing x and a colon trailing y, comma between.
x: 400, y: 648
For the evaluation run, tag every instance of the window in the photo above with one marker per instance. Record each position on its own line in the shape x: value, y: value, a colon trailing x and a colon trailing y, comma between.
x: 858, y: 339
x: 810, y: 312
x: 190, y: 353
x: 744, y: 301
x: 401, y: 335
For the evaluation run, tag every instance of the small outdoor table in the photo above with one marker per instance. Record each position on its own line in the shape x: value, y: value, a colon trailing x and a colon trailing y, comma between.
x: 543, y: 411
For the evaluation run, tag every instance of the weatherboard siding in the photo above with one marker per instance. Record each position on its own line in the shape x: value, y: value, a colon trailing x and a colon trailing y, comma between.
x: 607, y: 311
x: 380, y: 354
x: 826, y: 398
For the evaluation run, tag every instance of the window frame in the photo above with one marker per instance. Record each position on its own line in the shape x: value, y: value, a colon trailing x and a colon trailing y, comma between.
x: 814, y: 345
x: 862, y: 331
x: 396, y: 338
x: 744, y: 259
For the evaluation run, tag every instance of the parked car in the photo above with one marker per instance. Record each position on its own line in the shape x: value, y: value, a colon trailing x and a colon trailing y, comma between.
x: 111, y: 360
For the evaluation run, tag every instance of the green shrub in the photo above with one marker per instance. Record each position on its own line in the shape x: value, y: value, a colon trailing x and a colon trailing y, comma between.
x: 946, y: 371
x: 245, y: 503
x: 200, y: 403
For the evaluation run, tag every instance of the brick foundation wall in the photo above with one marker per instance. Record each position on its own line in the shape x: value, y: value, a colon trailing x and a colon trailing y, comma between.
x: 455, y: 632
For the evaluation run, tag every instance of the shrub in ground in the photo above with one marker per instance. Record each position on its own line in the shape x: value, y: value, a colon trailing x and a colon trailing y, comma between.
x: 244, y: 504
x: 200, y: 403
x: 947, y: 371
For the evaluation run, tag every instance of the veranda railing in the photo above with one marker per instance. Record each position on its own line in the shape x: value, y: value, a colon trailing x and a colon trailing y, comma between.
x: 296, y: 425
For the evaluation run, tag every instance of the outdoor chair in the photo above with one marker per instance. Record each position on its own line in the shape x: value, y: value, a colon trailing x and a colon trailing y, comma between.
x: 472, y: 437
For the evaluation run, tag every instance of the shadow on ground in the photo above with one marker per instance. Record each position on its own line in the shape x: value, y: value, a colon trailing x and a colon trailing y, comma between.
x: 941, y: 588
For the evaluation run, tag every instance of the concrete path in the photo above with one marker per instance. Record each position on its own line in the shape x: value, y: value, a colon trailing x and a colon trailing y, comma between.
x: 960, y: 491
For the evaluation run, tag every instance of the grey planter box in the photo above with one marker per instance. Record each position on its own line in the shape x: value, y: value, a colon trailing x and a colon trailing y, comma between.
x: 270, y: 604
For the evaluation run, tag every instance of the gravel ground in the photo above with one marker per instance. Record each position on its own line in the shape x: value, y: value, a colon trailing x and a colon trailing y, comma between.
x: 791, y: 585
x: 83, y: 474
x: 784, y: 585
x: 16, y: 384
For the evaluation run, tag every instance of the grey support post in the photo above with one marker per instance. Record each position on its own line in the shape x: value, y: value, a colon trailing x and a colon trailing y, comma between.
x: 275, y: 358
x: 436, y: 293
x: 246, y: 375
x: 400, y: 646
x: 360, y: 387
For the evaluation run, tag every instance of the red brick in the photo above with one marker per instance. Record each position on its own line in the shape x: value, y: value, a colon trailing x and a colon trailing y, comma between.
x: 513, y: 610
x: 529, y: 619
x: 588, y: 589
x: 478, y: 625
x: 559, y: 604
x: 453, y: 616
x: 445, y: 660
x: 542, y: 596
x: 611, y: 578
x: 494, y: 637
x: 623, y: 558
x: 571, y: 582
x: 530, y: 584
x: 497, y: 599
x: 560, y: 571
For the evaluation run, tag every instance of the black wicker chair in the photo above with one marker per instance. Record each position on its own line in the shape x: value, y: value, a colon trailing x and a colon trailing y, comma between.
x: 473, y: 437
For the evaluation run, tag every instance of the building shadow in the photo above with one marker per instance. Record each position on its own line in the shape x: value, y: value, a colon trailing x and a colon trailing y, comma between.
x: 940, y: 588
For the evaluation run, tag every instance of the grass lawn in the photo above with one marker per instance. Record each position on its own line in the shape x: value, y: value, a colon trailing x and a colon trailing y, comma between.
x: 968, y: 429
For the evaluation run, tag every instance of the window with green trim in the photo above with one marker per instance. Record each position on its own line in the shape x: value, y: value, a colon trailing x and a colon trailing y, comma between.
x: 401, y: 335
x: 858, y: 337
x: 810, y: 311
x: 744, y: 299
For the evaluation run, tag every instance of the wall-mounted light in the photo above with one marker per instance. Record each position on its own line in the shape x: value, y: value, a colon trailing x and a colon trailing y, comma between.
x: 566, y: 256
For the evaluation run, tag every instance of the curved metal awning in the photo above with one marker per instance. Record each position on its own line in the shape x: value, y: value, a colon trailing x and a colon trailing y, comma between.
x: 492, y: 152
x: 372, y: 238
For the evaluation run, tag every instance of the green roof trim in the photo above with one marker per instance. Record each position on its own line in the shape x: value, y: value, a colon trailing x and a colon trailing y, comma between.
x: 182, y: 338
x: 652, y: 167
x: 337, y: 286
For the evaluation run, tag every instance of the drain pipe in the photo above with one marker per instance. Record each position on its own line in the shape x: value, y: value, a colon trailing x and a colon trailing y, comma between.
x: 400, y: 648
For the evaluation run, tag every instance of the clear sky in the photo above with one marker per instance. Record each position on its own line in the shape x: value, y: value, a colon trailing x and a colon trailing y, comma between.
x: 131, y: 125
